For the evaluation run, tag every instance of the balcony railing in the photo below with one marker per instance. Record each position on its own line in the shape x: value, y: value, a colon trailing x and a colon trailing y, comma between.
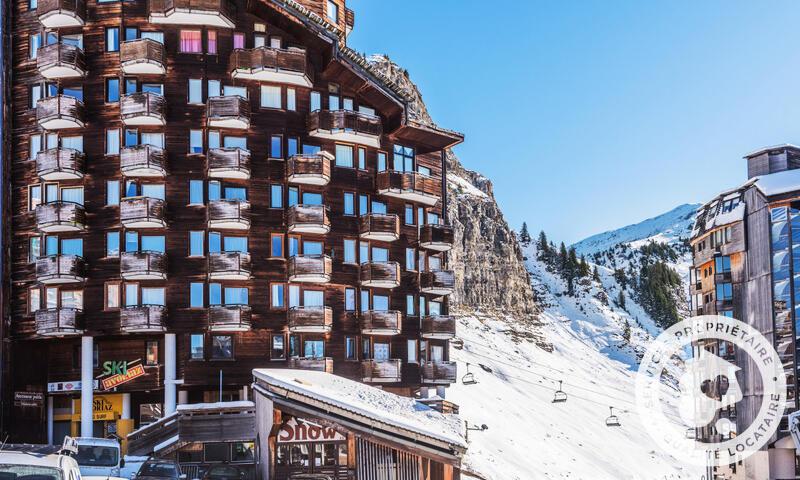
x: 436, y: 237
x: 60, y: 164
x: 229, y: 266
x: 380, y: 227
x: 229, y: 163
x: 143, y: 212
x: 439, y: 372
x: 54, y: 217
x: 379, y: 274
x: 58, y: 322
x: 143, y: 266
x: 308, y: 219
x: 143, y: 56
x: 143, y: 319
x: 441, y: 327
x: 310, y: 268
x: 312, y: 169
x: 210, y: 13
x: 345, y: 126
x: 410, y: 186
x: 61, y: 13
x: 440, y: 282
x: 229, y: 318
x: 143, y: 108
x: 381, y: 322
x: 310, y: 319
x: 320, y: 364
x: 60, y: 269
x: 381, y: 371
x: 275, y: 65
x: 228, y: 112
x: 60, y: 112
x: 229, y: 214
x: 143, y: 161
x: 59, y: 60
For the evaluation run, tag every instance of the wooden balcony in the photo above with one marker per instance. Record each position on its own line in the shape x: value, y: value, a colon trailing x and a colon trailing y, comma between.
x: 229, y: 214
x: 229, y: 266
x: 210, y: 13
x: 438, y: 327
x: 381, y: 322
x: 143, y: 161
x: 58, y: 322
x: 55, y: 269
x: 229, y: 318
x: 310, y: 268
x: 143, y: 56
x: 229, y: 163
x: 312, y: 169
x: 381, y: 371
x: 310, y: 319
x: 440, y: 282
x: 324, y: 364
x: 143, y: 266
x: 61, y: 13
x: 60, y: 112
x: 55, y: 217
x: 379, y: 227
x: 59, y: 61
x: 436, y: 237
x: 311, y: 219
x: 143, y: 212
x: 379, y: 274
x: 345, y: 126
x: 228, y: 112
x: 410, y: 187
x: 60, y: 164
x: 274, y: 65
x: 143, y: 108
x: 143, y: 319
x: 440, y: 373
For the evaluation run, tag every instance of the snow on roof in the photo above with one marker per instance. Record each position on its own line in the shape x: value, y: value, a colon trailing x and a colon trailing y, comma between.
x: 781, y: 146
x: 779, y: 182
x: 371, y: 402
x: 166, y: 443
x: 216, y: 405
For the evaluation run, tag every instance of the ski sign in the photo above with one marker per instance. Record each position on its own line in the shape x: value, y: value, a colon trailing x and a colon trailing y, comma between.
x: 121, y: 373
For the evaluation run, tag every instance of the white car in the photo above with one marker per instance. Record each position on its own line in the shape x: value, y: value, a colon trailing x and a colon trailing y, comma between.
x: 53, y: 466
x: 98, y: 457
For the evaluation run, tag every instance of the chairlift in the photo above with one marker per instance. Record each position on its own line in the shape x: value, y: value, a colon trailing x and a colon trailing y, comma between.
x: 468, y: 378
x: 485, y: 368
x: 612, y: 420
x: 560, y: 396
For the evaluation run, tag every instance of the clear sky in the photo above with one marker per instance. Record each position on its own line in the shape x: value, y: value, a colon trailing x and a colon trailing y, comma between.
x: 591, y: 115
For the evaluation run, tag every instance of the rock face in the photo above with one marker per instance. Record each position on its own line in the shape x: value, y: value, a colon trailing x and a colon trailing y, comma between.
x: 490, y: 271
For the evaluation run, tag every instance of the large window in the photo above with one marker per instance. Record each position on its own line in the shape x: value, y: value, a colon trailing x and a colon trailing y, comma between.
x: 344, y: 156
x: 196, y: 247
x: 35, y: 43
x: 333, y: 11
x: 722, y: 264
x: 191, y: 41
x: 222, y: 347
x: 350, y: 251
x: 195, y: 141
x: 112, y: 39
x: 196, y: 299
x: 195, y: 90
x: 270, y: 96
x: 197, y: 346
x: 277, y: 295
x: 112, y: 90
x: 403, y: 158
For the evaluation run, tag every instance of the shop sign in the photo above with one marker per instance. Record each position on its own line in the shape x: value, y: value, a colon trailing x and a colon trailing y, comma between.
x: 293, y: 431
x: 28, y: 399
x: 104, y: 407
x: 120, y: 372
x: 56, y: 387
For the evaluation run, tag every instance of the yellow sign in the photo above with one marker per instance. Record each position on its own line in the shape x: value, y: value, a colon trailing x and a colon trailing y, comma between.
x: 104, y: 407
x: 135, y: 371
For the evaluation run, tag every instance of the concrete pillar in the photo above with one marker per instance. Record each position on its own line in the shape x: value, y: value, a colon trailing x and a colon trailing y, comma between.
x: 183, y: 397
x: 126, y: 406
x: 243, y: 393
x: 50, y: 419
x: 170, y: 367
x: 87, y: 385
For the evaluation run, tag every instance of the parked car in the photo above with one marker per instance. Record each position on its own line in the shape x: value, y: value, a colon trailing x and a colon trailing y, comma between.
x: 40, y: 462
x: 158, y: 469
x: 224, y: 472
x: 98, y: 457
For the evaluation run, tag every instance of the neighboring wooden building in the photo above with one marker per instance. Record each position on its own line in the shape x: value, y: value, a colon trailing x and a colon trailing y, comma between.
x: 200, y: 189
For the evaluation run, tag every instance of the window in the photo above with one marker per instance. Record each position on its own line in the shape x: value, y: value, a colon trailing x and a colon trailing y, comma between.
x: 214, y: 88
x: 349, y: 203
x: 196, y: 344
x: 195, y: 90
x: 344, y: 156
x: 35, y: 43
x: 112, y: 296
x: 350, y: 299
x: 196, y: 299
x: 151, y: 352
x: 277, y: 295
x: 291, y: 99
x: 276, y: 196
x: 409, y: 215
x: 33, y: 4
x: 276, y: 146
x: 349, y: 251
x: 724, y: 291
x: 315, y: 101
x: 410, y: 305
x: 333, y: 11
x: 722, y: 264
x: 403, y: 158
x: 112, y: 90
x: 412, y: 351
x: 191, y: 41
x: 381, y: 161
x: 34, y: 196
x: 238, y: 40
x: 313, y: 348
x: 211, y: 42
x: 278, y: 347
x: 411, y: 260
x: 270, y: 96
x: 35, y: 95
x: 112, y: 244
x: 35, y: 144
x: 112, y: 192
x: 195, y: 141
x: 276, y: 245
x: 34, y: 248
x: 34, y: 299
x: 362, y: 158
x: 221, y: 347
x: 112, y: 39
x: 350, y: 348
x: 195, y: 192
x: 196, y: 243
x: 112, y: 141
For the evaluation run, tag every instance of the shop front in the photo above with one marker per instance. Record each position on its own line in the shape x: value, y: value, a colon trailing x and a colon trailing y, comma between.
x: 304, y: 447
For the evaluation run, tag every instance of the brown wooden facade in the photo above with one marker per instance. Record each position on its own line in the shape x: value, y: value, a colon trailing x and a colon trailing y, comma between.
x: 304, y: 58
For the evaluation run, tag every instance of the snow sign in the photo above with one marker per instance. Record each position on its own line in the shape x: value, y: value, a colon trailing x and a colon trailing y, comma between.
x: 293, y: 431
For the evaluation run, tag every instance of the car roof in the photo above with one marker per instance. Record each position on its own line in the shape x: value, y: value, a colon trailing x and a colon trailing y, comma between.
x: 97, y: 441
x: 39, y: 460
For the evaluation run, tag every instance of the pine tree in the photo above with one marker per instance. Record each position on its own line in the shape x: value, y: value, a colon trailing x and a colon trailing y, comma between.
x: 524, y: 236
x: 621, y: 300
x: 563, y: 256
x: 584, y: 268
x: 626, y: 332
x: 621, y: 278
x: 595, y: 274
x: 542, y: 244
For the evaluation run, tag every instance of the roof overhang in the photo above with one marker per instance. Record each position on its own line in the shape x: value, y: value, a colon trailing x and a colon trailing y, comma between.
x: 782, y: 146
x: 428, y: 138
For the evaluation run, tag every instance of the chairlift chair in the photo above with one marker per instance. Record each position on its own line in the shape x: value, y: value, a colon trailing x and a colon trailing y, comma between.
x: 468, y: 378
x: 560, y: 396
x: 612, y: 420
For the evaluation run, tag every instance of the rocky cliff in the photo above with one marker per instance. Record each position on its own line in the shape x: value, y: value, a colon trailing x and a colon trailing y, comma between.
x: 490, y: 271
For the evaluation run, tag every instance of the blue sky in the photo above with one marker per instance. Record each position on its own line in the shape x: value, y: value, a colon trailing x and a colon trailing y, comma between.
x: 591, y: 115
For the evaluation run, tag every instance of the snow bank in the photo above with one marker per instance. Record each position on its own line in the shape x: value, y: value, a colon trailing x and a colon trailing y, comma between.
x: 464, y: 187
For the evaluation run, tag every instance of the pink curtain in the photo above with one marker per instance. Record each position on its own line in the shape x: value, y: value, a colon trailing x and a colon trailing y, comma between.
x: 212, y: 42
x: 191, y: 41
x: 238, y: 40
